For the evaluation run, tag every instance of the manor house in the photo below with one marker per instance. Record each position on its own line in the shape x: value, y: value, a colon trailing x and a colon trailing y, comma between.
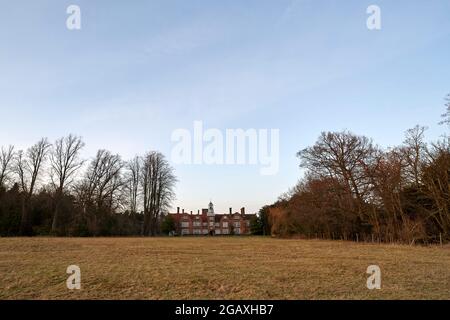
x: 207, y: 222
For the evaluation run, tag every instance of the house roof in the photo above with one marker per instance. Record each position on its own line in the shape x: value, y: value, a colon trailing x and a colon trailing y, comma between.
x: 203, y: 217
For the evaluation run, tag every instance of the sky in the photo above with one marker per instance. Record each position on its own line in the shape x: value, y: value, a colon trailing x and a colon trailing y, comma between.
x: 138, y: 70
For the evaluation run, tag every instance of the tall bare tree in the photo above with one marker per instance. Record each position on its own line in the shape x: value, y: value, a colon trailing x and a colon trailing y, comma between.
x: 388, y: 185
x: 158, y: 182
x: 6, y: 164
x: 28, y: 167
x: 101, y: 177
x: 100, y: 187
x: 65, y: 161
x: 341, y: 156
x: 436, y: 180
x: 414, y: 150
x: 132, y: 180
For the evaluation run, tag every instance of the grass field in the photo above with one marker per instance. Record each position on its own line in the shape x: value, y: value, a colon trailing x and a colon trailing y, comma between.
x: 219, y: 268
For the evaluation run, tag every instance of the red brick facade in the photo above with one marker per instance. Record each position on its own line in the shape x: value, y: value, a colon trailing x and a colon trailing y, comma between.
x: 209, y: 223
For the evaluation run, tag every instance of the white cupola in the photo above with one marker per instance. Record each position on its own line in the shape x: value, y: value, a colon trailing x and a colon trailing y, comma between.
x: 210, y: 209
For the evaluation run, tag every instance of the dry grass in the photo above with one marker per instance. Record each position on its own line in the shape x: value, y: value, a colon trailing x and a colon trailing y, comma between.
x: 219, y: 268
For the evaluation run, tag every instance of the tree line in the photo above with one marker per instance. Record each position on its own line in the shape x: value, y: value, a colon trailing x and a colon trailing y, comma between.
x: 49, y: 189
x: 356, y: 190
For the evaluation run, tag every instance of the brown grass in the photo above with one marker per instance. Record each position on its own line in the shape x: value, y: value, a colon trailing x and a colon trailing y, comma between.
x: 219, y: 268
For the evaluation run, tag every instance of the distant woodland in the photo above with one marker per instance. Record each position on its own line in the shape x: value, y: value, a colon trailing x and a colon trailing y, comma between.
x: 49, y: 190
x: 356, y: 190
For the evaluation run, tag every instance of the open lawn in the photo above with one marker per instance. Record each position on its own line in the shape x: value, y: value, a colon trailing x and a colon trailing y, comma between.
x: 219, y: 268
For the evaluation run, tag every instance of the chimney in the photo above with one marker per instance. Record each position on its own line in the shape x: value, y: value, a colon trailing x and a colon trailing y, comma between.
x: 183, y: 210
x: 198, y: 211
x: 231, y: 210
x: 178, y: 209
x: 243, y: 210
x: 191, y: 212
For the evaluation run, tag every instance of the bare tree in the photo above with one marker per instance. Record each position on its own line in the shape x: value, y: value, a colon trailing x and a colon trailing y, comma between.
x: 28, y: 167
x: 341, y: 156
x: 158, y: 182
x: 102, y: 176
x: 65, y: 161
x: 133, y: 180
x: 388, y: 185
x: 436, y: 180
x: 6, y: 164
x: 100, y: 188
x: 414, y: 151
x: 446, y: 115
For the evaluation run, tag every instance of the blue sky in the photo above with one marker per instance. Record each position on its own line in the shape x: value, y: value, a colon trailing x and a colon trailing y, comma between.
x: 138, y: 70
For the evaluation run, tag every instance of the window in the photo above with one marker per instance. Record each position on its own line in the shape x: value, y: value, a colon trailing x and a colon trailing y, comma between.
x: 217, y: 224
x: 185, y: 224
x: 225, y: 224
x: 197, y: 231
x: 224, y: 231
x: 197, y: 224
x: 205, y: 231
x: 237, y: 224
x: 184, y: 231
x: 218, y: 231
x: 237, y: 231
x: 211, y: 224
